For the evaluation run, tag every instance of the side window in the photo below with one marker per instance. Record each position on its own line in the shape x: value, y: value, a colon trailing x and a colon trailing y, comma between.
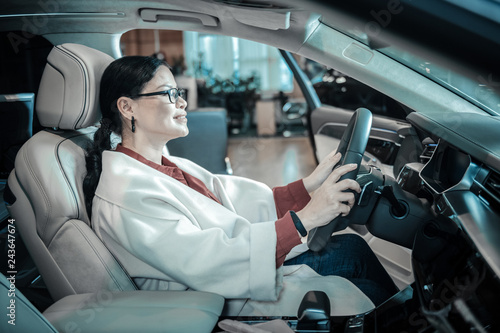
x: 336, y: 89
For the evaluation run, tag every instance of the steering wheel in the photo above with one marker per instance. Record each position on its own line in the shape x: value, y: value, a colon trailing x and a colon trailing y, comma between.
x: 352, y: 147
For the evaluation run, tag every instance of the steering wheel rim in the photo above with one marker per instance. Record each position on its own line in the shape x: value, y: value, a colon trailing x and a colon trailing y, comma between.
x: 352, y: 146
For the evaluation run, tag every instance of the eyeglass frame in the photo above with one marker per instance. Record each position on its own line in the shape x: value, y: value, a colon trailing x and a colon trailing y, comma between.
x: 180, y: 93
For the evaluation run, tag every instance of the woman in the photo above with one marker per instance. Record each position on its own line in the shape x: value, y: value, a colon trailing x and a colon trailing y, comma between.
x: 174, y: 225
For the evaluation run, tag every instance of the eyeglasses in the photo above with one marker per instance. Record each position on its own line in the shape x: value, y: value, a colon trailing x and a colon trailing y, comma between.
x: 172, y: 93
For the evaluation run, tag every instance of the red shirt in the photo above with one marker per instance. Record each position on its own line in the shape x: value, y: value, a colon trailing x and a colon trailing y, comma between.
x: 294, y: 196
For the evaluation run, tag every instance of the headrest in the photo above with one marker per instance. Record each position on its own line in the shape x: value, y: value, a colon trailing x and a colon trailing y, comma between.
x: 68, y: 97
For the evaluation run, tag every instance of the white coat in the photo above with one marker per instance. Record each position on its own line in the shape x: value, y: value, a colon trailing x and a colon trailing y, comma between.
x: 168, y: 236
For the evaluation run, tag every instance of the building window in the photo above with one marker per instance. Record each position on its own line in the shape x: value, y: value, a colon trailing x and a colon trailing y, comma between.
x: 232, y: 58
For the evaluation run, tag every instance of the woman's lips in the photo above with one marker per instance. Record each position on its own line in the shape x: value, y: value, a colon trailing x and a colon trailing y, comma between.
x: 181, y: 117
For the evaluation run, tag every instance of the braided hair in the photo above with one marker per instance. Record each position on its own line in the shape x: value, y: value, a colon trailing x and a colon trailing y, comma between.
x: 124, y: 77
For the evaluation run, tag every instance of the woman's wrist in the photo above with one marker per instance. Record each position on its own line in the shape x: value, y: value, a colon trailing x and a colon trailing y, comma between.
x: 308, y: 184
x: 305, y: 219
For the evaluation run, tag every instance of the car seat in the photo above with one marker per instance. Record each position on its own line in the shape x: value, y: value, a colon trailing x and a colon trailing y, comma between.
x: 45, y: 195
x: 206, y: 143
x: 97, y: 312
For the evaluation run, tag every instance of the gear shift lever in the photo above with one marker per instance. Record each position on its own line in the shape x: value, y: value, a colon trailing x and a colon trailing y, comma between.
x: 314, y: 312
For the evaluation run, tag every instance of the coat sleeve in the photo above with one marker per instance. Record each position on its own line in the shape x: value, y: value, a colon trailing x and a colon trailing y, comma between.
x: 293, y: 196
x: 235, y: 263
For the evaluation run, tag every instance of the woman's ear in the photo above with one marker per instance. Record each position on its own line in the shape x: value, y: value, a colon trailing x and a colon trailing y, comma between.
x: 124, y: 105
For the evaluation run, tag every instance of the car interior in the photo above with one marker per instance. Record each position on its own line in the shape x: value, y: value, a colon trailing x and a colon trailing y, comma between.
x: 430, y: 179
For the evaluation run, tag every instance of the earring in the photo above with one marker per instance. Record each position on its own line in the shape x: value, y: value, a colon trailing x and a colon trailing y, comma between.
x: 133, y: 124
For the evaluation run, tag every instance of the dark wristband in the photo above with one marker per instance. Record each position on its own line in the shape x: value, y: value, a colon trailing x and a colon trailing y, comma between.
x: 298, y: 224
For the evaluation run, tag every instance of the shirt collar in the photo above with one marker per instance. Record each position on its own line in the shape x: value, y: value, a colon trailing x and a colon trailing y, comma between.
x: 169, y: 168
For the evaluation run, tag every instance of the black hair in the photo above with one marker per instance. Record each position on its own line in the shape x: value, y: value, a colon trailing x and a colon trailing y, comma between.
x: 124, y: 77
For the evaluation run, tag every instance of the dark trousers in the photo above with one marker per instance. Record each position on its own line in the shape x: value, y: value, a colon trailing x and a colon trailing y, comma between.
x: 349, y: 256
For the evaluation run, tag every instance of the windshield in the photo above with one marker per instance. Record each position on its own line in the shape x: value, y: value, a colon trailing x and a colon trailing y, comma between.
x: 478, y: 90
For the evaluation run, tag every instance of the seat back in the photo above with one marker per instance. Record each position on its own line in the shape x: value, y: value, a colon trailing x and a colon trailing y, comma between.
x: 45, y: 188
x: 206, y: 144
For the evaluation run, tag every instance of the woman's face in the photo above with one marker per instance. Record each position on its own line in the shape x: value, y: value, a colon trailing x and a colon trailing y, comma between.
x: 156, y: 116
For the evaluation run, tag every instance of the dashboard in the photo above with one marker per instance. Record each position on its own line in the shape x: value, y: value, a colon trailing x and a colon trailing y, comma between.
x: 448, y: 169
x: 456, y: 255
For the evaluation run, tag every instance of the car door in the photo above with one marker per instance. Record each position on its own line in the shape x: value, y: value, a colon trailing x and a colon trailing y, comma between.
x: 392, y: 142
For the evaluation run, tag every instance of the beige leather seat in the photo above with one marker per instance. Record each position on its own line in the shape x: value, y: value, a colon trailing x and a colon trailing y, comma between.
x: 48, y: 205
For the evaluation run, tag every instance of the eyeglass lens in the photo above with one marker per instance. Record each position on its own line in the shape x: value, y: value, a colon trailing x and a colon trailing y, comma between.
x: 175, y: 93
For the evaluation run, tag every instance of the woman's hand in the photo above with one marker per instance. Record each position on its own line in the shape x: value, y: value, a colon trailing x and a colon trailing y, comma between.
x: 331, y: 199
x: 322, y: 171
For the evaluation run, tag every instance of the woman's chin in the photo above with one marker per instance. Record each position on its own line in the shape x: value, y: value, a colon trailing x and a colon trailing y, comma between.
x: 183, y: 134
x: 178, y: 134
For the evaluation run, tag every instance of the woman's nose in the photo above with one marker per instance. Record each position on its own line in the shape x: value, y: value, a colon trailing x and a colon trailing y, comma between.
x: 181, y: 103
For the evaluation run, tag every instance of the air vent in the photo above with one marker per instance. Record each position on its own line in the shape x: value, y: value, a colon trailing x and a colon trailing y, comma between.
x: 491, y: 191
x: 492, y: 184
x: 429, y: 148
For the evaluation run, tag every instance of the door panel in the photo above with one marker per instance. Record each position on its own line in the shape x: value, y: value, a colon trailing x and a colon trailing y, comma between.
x: 380, y: 144
x: 328, y: 124
x: 324, y: 146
